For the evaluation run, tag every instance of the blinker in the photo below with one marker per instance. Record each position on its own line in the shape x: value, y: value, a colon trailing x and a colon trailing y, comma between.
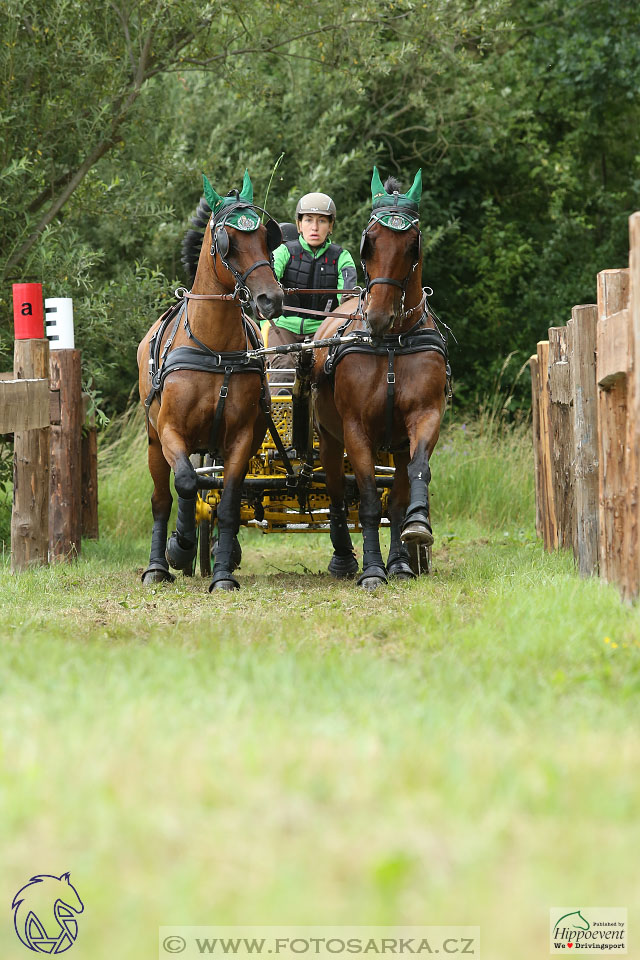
x: 221, y: 242
x: 274, y: 235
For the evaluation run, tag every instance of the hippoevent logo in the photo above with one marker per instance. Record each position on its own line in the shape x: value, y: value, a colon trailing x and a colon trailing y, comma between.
x: 588, y: 928
x: 44, y: 912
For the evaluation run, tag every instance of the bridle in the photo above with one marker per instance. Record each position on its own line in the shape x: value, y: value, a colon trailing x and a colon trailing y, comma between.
x: 376, y: 217
x: 221, y: 244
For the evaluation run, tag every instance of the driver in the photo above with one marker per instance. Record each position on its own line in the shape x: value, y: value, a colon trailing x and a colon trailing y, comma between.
x: 311, y: 261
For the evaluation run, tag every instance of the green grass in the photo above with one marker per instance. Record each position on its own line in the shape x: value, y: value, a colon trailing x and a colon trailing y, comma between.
x: 462, y: 749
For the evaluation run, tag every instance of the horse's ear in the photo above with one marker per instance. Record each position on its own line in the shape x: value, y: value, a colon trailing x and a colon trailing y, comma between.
x: 416, y: 190
x: 212, y: 198
x: 247, y: 188
x: 65, y: 876
x: 377, y: 189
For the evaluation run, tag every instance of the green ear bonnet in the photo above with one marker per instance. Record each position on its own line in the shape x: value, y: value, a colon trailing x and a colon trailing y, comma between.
x: 242, y: 216
x: 399, y: 211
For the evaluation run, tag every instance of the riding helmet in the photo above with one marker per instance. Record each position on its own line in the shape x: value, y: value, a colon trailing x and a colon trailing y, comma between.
x: 316, y: 203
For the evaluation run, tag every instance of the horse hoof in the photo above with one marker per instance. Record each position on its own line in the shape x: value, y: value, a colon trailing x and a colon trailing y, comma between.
x: 223, y: 580
x: 342, y: 568
x: 372, y: 578
x: 401, y: 570
x: 371, y: 583
x: 156, y: 574
x: 417, y: 532
x: 180, y: 557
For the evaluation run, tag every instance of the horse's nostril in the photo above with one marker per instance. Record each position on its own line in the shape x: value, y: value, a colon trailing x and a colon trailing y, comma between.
x: 269, y: 306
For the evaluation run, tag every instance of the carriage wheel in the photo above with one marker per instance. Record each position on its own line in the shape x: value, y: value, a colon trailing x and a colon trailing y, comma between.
x: 420, y: 558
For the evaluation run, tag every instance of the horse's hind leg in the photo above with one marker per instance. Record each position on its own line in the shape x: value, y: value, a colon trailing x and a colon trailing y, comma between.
x: 161, y: 500
x: 398, y: 564
x: 343, y: 563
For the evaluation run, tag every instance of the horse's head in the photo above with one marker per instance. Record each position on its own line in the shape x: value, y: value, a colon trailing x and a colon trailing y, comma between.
x: 241, y: 247
x: 391, y: 251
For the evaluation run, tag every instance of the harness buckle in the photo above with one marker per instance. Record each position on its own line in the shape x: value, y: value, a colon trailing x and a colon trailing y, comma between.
x: 391, y: 378
x: 224, y: 390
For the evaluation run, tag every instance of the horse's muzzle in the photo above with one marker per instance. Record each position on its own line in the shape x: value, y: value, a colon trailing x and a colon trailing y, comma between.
x: 379, y: 321
x: 269, y: 305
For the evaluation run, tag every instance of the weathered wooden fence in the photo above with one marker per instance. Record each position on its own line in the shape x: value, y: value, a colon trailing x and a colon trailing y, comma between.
x: 55, y: 446
x: 585, y: 386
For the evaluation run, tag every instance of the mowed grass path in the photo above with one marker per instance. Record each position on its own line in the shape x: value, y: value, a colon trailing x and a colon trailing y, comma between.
x: 462, y: 749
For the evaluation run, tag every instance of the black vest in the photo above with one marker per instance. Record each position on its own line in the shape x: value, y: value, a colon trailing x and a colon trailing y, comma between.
x: 307, y: 272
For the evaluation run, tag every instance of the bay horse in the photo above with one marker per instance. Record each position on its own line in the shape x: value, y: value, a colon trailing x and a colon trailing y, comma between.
x: 201, y: 390
x: 390, y: 393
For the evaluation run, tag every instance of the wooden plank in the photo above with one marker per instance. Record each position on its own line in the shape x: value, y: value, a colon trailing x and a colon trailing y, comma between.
x: 612, y: 357
x: 613, y: 294
x: 24, y: 405
x: 31, y: 458
x: 65, y: 515
x: 549, y: 531
x: 560, y: 381
x: 585, y: 438
x: 631, y: 571
x: 561, y: 434
x: 535, y: 424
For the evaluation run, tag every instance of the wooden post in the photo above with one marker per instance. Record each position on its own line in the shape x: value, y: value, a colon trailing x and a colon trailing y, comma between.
x: 549, y: 530
x: 611, y: 371
x: 535, y: 423
x: 89, y: 482
x: 585, y: 437
x: 631, y: 576
x: 573, y: 520
x: 30, y: 512
x: 65, y: 514
x: 561, y: 433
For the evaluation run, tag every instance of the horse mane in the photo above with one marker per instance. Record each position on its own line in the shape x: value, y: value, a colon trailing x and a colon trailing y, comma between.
x: 192, y: 241
x: 392, y: 184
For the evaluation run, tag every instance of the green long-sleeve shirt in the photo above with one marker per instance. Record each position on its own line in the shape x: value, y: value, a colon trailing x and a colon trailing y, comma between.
x: 346, y: 278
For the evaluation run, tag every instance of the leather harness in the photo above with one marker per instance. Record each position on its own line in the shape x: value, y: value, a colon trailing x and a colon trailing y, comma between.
x: 201, y: 358
x: 418, y: 339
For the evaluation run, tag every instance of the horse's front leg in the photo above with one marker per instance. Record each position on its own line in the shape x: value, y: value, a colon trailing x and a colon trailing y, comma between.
x: 161, y: 501
x: 343, y: 563
x: 422, y: 437
x: 398, y: 563
x: 235, y: 468
x: 361, y: 456
x: 182, y: 545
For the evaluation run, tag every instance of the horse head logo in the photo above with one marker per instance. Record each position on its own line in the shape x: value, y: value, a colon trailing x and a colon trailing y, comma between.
x: 44, y: 913
x: 575, y: 920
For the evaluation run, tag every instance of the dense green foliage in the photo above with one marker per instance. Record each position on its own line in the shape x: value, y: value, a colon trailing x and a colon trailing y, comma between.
x: 524, y: 118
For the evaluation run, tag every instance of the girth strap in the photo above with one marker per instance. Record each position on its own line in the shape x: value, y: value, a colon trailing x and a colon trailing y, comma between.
x: 391, y: 389
x: 217, y: 420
